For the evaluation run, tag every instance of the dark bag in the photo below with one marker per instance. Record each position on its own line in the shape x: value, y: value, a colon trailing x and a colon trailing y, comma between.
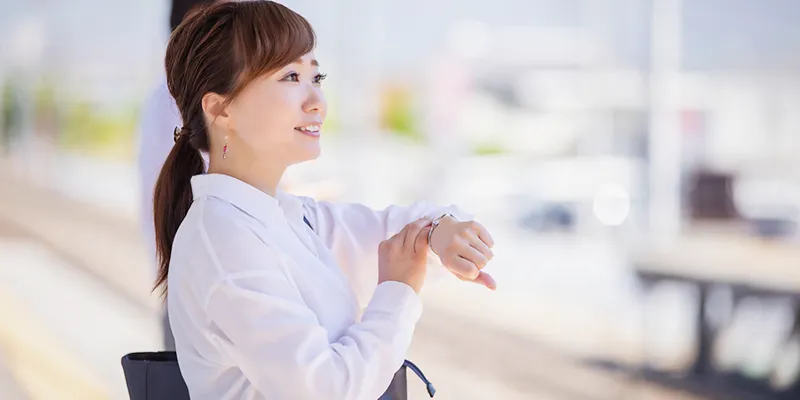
x: 156, y: 376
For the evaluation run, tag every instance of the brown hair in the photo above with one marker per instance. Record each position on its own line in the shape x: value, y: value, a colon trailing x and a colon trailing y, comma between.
x: 220, y: 49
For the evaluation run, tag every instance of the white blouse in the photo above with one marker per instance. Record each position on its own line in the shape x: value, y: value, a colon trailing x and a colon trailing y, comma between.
x: 262, y: 307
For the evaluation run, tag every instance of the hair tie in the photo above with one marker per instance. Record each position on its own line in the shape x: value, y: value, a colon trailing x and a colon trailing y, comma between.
x: 178, y: 132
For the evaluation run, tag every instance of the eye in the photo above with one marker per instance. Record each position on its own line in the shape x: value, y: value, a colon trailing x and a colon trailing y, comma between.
x: 292, y: 77
x: 320, y: 77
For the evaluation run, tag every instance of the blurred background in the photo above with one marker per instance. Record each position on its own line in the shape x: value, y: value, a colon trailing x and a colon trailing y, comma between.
x: 635, y: 160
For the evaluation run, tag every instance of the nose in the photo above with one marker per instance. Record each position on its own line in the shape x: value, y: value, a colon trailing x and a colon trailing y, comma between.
x: 315, y: 102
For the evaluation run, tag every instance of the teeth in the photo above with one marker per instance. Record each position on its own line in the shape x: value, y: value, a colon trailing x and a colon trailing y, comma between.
x: 310, y: 128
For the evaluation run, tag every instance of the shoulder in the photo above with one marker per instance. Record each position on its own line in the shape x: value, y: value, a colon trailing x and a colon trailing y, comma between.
x: 312, y: 206
x: 308, y: 205
x: 219, y: 243
x: 225, y: 241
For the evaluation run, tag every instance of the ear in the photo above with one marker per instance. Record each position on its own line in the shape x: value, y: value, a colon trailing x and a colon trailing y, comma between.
x: 215, y: 109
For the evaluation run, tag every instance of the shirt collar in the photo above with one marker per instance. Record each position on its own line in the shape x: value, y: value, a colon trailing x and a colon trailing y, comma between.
x: 247, y: 198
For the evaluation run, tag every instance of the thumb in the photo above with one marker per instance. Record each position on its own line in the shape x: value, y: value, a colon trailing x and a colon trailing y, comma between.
x: 485, y: 280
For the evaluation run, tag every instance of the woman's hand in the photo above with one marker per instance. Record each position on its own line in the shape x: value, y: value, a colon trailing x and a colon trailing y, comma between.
x: 464, y: 248
x: 403, y: 257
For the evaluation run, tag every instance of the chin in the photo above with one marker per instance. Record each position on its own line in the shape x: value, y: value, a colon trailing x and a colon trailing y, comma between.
x: 309, y: 153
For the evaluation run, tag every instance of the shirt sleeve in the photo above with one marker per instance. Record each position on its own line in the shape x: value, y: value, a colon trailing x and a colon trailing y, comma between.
x: 260, y: 319
x: 353, y: 232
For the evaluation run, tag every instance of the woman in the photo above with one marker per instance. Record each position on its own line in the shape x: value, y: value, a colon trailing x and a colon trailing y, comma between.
x: 261, y: 305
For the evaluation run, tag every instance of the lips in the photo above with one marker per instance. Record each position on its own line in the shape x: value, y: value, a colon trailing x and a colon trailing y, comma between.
x: 311, y: 129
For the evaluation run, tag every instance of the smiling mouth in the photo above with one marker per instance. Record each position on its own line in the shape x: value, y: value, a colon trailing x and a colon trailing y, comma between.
x: 312, y: 130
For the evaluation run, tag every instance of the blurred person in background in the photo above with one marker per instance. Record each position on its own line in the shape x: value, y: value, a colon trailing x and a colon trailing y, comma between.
x: 272, y: 295
x: 159, y: 117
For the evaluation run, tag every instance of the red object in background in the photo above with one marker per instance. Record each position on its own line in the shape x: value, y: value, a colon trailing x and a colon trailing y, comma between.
x: 693, y: 122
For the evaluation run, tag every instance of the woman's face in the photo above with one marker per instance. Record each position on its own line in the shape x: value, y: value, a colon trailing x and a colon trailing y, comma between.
x: 279, y: 116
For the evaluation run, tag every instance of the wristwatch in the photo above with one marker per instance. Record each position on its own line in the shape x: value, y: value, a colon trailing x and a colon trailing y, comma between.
x: 434, y: 223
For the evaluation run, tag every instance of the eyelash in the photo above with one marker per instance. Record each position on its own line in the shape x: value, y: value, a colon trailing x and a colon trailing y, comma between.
x: 295, y: 77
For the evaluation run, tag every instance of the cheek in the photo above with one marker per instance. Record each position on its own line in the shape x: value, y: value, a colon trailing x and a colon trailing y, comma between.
x: 268, y: 119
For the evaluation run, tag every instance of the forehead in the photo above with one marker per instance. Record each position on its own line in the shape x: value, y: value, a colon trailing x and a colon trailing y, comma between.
x: 308, y: 59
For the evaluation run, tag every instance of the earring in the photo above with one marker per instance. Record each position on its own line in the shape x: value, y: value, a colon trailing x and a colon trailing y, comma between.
x: 225, y: 148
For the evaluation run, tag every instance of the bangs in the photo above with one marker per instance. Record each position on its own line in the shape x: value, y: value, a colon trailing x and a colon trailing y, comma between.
x: 268, y: 37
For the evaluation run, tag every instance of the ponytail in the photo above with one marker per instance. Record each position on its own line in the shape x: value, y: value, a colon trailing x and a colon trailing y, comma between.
x: 172, y: 198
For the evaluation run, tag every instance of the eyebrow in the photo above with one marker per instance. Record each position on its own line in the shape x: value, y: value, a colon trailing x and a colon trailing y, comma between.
x: 313, y: 62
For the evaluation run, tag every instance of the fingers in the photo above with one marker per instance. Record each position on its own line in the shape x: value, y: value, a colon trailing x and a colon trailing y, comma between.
x: 412, y: 232
x: 474, y: 256
x: 483, y: 279
x: 486, y: 280
x: 483, y: 234
x: 482, y: 247
x: 464, y: 268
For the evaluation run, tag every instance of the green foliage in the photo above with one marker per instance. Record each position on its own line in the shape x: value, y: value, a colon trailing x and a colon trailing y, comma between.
x: 488, y: 149
x: 44, y: 98
x: 88, y: 129
x: 398, y: 115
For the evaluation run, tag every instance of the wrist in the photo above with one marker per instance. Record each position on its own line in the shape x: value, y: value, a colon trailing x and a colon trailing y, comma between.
x: 435, y: 232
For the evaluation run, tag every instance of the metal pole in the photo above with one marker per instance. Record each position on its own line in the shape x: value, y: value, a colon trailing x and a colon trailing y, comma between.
x: 664, y: 127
